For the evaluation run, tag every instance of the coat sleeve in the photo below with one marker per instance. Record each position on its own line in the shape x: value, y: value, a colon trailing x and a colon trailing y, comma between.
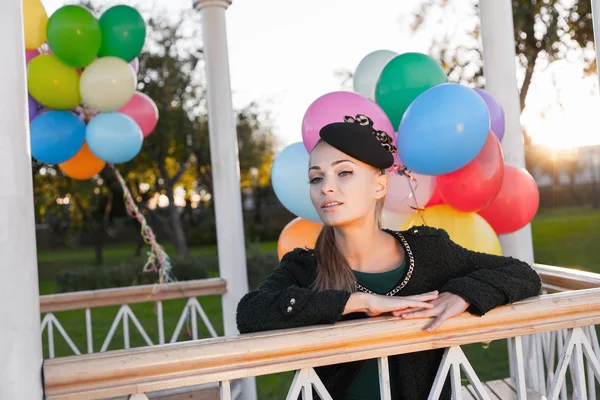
x: 487, y: 281
x: 284, y: 301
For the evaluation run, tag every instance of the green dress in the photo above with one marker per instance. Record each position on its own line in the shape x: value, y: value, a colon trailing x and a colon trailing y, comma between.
x: 366, y: 384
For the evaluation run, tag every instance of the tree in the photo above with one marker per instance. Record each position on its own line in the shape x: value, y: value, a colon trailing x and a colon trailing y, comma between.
x: 168, y: 70
x: 545, y: 31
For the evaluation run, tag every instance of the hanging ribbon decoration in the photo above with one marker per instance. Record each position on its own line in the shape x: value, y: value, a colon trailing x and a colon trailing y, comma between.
x: 158, y: 260
x: 403, y: 171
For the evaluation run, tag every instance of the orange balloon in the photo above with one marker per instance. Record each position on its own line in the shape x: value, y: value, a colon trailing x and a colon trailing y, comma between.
x: 298, y: 233
x: 83, y: 165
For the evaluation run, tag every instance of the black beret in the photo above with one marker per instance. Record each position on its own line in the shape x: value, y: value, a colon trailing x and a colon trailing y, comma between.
x: 358, y: 139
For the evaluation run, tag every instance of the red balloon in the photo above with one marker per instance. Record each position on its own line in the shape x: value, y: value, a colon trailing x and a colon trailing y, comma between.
x: 436, y: 198
x: 516, y: 203
x: 143, y: 110
x: 474, y: 186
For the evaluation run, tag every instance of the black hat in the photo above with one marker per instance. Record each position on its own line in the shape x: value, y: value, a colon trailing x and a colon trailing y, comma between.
x: 357, y: 138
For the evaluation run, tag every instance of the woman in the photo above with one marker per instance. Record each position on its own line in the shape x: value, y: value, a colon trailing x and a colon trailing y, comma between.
x: 357, y: 269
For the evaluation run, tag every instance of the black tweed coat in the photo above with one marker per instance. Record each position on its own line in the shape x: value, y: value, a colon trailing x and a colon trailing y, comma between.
x: 484, y: 281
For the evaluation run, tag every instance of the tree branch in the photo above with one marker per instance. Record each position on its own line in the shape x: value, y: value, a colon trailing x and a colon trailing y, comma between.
x: 182, y: 168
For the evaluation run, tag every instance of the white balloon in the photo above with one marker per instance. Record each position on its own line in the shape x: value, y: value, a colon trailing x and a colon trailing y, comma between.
x: 107, y: 84
x: 368, y: 70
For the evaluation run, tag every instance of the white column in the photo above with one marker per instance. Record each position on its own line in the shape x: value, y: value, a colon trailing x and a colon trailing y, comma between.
x: 20, y: 336
x: 227, y: 195
x: 596, y: 24
x: 500, y: 71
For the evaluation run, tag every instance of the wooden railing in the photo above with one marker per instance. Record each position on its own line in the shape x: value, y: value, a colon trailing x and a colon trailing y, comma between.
x: 156, y: 368
x: 131, y: 295
x: 123, y: 297
x: 557, y: 279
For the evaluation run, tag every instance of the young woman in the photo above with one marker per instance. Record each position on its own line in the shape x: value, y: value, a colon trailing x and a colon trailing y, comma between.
x: 357, y: 269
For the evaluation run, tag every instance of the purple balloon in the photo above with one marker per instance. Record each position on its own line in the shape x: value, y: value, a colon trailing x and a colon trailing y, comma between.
x: 34, y: 108
x: 496, y: 113
x: 135, y: 64
x: 333, y: 107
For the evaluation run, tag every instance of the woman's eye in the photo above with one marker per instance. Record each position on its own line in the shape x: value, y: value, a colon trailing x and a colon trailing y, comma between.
x: 315, y: 180
x: 345, y: 173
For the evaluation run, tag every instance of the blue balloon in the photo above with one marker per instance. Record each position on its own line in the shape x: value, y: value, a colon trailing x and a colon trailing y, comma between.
x: 443, y: 129
x: 289, y: 177
x: 114, y: 137
x: 56, y: 136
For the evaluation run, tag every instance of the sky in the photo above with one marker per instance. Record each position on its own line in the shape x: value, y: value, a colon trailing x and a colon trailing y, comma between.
x: 284, y: 54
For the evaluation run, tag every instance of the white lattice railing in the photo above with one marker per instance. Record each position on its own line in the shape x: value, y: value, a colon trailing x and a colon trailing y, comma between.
x: 550, y: 354
x: 125, y: 318
x: 554, y: 330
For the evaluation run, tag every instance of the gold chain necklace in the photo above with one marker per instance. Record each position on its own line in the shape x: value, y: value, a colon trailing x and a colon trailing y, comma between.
x: 411, y: 267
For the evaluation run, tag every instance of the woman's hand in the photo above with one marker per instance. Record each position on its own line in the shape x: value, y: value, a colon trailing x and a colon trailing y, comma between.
x: 375, y: 304
x: 447, y: 305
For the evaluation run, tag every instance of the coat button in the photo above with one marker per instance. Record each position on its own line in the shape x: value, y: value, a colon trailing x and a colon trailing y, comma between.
x: 289, y: 309
x: 292, y: 301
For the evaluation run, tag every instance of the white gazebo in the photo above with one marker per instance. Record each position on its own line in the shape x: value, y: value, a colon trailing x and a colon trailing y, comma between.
x: 20, y: 334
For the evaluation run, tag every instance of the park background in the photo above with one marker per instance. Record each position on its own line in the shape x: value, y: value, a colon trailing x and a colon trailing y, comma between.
x: 283, y: 56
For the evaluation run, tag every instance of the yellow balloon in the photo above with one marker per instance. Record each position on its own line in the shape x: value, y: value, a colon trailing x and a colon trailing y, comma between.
x: 108, y: 84
x: 35, y: 20
x: 467, y: 229
x: 52, y: 83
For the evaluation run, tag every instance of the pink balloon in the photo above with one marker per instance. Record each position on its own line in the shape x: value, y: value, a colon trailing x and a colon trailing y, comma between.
x: 29, y: 54
x: 333, y: 107
x: 143, y: 110
x: 400, y: 198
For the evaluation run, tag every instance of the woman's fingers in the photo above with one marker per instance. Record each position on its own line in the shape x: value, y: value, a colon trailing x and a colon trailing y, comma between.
x: 414, y: 304
x: 398, y: 313
x: 438, y: 321
x: 432, y: 312
x: 425, y: 296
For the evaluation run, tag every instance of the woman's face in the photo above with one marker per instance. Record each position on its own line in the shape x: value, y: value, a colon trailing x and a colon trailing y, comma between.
x: 343, y: 189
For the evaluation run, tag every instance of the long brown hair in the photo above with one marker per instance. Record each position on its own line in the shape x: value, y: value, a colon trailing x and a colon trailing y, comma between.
x: 333, y: 270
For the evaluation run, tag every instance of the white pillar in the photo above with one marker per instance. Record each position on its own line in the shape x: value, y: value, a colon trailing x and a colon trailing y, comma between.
x: 227, y: 195
x: 20, y: 336
x: 596, y: 25
x: 500, y: 71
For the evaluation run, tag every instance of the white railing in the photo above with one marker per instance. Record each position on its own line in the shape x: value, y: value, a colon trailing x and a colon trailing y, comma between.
x: 546, y: 350
x: 50, y: 305
x: 563, y: 322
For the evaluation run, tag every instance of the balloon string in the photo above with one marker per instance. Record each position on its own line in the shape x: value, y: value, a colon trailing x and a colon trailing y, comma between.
x: 158, y: 260
x: 402, y: 170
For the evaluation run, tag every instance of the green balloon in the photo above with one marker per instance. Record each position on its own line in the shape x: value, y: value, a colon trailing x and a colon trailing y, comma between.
x: 74, y: 35
x: 404, y: 78
x: 123, y: 33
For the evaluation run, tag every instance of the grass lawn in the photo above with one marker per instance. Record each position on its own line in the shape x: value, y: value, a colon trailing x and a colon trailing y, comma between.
x: 561, y: 237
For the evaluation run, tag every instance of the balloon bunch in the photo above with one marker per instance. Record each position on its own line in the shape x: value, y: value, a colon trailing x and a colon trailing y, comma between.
x: 84, y: 110
x: 449, y: 171
x: 82, y: 71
